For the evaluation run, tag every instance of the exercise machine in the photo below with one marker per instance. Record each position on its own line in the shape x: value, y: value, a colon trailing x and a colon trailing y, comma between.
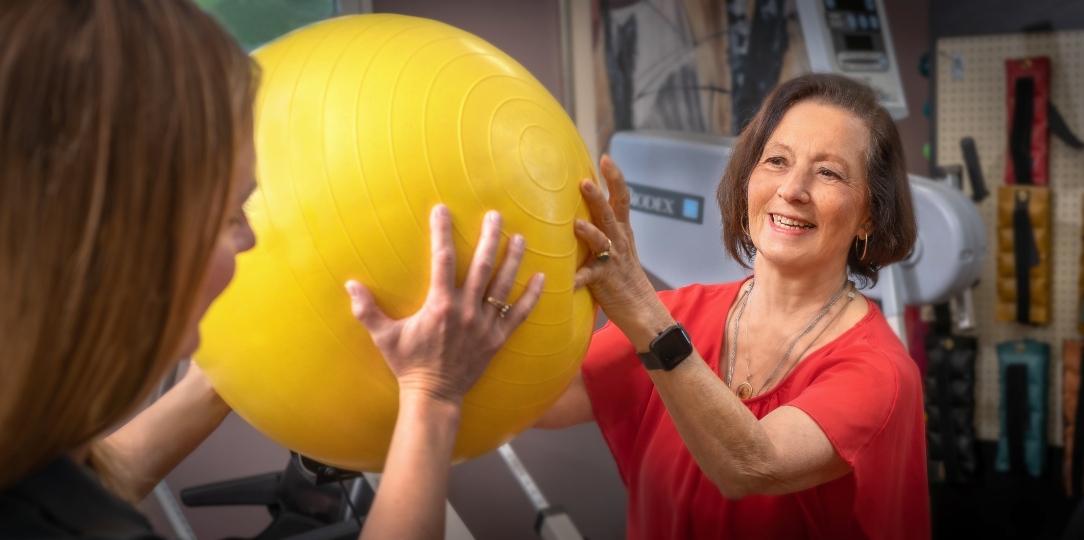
x: 673, y: 179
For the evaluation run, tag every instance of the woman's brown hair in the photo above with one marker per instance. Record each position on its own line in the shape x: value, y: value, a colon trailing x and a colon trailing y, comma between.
x: 120, y: 124
x: 892, y: 216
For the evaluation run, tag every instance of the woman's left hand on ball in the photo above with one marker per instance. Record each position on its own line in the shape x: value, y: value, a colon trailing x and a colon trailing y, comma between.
x: 617, y: 282
x: 444, y: 347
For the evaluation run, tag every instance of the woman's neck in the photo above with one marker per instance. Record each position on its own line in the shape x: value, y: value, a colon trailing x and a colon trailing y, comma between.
x: 795, y: 292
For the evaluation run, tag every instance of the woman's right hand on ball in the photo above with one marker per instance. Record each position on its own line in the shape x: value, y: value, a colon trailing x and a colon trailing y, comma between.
x: 443, y: 348
x: 617, y: 281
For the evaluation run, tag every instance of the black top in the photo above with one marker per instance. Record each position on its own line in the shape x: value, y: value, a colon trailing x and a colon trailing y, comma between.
x: 65, y: 500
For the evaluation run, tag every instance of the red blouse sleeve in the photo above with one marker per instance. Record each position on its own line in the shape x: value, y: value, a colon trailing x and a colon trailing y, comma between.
x: 868, y: 401
x: 619, y: 388
x: 852, y: 397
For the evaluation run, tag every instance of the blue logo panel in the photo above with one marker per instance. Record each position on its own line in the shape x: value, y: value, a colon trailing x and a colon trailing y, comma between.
x: 666, y: 203
x: 691, y: 209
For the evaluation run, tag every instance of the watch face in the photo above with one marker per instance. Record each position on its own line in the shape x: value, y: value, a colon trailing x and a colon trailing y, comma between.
x: 672, y: 346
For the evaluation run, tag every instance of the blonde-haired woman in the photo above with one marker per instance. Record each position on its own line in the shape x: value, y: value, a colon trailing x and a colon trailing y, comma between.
x: 126, y: 155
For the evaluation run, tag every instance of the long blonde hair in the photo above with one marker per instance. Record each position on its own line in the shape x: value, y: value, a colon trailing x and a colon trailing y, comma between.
x: 120, y: 123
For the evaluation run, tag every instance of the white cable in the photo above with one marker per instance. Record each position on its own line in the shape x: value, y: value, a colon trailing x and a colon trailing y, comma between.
x: 524, y: 478
x: 173, y: 512
x: 162, y: 493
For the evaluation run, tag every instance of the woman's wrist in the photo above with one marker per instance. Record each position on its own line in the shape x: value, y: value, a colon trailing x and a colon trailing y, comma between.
x: 199, y: 389
x: 648, y: 330
x: 645, y: 323
x: 429, y: 407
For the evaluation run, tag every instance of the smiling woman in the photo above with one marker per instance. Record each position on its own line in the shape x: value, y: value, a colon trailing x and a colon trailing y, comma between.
x: 807, y: 195
x: 784, y: 410
x: 859, y: 146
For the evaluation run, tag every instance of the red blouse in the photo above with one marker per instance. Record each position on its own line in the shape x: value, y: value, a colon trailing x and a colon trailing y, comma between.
x: 862, y: 389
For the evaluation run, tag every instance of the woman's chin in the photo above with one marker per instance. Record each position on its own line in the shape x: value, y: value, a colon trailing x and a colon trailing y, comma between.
x: 792, y: 261
x: 783, y: 255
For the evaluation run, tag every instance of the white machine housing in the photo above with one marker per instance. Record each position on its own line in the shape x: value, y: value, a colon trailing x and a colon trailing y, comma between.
x: 672, y: 178
x: 678, y: 227
x: 851, y: 37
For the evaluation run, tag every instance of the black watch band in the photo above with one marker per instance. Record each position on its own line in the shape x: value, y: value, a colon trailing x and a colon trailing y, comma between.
x: 668, y: 349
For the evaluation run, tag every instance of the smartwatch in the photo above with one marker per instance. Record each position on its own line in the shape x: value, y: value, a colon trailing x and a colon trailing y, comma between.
x: 668, y: 349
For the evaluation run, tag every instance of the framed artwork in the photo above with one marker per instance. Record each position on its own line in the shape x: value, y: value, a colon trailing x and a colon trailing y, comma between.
x: 688, y: 65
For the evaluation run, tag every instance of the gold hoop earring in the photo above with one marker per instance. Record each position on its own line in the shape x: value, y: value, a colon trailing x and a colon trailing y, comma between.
x: 865, y: 247
x: 745, y: 230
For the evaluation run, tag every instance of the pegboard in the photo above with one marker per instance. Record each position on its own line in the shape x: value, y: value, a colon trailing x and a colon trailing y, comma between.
x: 970, y: 101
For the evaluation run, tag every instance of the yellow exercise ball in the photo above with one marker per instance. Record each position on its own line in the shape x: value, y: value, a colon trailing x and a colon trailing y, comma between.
x: 363, y: 124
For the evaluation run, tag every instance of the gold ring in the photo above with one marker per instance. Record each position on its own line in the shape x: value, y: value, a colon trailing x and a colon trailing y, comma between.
x: 603, y: 256
x: 502, y: 308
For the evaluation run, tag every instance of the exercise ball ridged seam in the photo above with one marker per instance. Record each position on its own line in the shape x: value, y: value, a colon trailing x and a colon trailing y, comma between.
x: 363, y: 123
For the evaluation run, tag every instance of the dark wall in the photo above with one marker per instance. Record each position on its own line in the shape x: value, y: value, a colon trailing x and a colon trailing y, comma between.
x: 974, y: 17
x: 909, y: 22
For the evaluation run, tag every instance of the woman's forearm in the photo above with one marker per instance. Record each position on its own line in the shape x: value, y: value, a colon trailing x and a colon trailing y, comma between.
x: 723, y: 436
x: 160, y: 437
x: 411, y: 497
x: 725, y: 439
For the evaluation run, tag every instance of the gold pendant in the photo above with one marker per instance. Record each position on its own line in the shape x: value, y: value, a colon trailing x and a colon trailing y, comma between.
x: 744, y: 390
